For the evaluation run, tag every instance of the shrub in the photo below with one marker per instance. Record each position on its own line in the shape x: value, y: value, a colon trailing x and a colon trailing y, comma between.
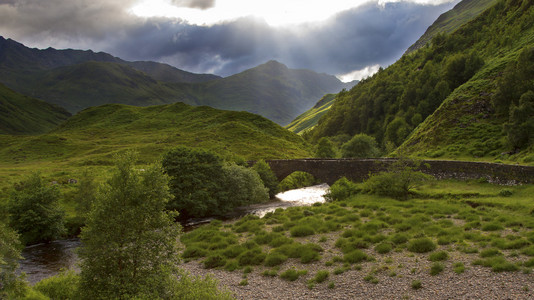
x: 497, y: 264
x: 292, y: 274
x: 302, y: 230
x: 325, y: 148
x: 399, y: 238
x: 436, y: 268
x: 438, y: 256
x: 416, y: 284
x: 398, y: 182
x: 194, y: 252
x: 321, y: 276
x: 355, y: 256
x: 252, y: 257
x: 275, y: 259
x: 342, y: 189
x: 505, y: 193
x: 383, y: 248
x: 63, y: 286
x: 267, y: 176
x: 421, y: 245
x: 490, y: 252
x: 491, y: 227
x: 214, y: 261
x: 459, y: 267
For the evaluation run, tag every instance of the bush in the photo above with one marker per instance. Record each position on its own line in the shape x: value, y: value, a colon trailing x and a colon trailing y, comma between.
x: 360, y: 145
x: 421, y: 245
x: 252, y: 257
x: 355, y: 256
x: 292, y: 274
x: 398, y: 182
x: 383, y: 248
x: 416, y: 284
x: 436, y: 268
x: 491, y: 227
x: 301, y: 230
x: 342, y: 189
x: 63, y: 286
x: 438, y: 256
x: 35, y: 212
x: 297, y: 180
x: 275, y: 259
x: 399, y: 238
x: 321, y: 276
x: 325, y: 148
x: 214, y: 261
x: 267, y: 176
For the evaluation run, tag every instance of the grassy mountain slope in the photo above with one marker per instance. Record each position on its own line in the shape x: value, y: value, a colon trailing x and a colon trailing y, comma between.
x: 463, y: 69
x: 24, y: 115
x: 17, y: 59
x: 271, y: 89
x: 448, y: 22
x: 95, y: 83
x: 78, y: 79
x: 468, y: 123
x: 309, y: 119
x: 92, y: 136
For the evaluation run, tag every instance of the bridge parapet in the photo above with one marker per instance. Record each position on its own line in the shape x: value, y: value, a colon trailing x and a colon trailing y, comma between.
x: 330, y: 170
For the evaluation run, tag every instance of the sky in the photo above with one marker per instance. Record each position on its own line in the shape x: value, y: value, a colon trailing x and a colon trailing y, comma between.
x: 347, y: 38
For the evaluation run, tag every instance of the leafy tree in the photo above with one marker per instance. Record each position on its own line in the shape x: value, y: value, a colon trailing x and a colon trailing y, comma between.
x: 325, y: 148
x: 246, y: 184
x: 360, y: 145
x: 203, y: 185
x: 130, y: 240
x: 267, y: 176
x: 196, y: 181
x: 10, y: 284
x: 35, y: 212
x: 520, y: 127
x: 397, y: 130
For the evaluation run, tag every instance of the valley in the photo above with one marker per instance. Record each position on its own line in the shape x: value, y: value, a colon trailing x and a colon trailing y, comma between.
x: 429, y: 163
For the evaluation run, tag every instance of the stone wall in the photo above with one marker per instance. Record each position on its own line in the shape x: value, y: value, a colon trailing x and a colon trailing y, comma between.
x: 330, y: 170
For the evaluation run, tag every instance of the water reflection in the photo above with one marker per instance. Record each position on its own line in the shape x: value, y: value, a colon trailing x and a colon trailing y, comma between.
x: 45, y: 260
x: 299, y: 197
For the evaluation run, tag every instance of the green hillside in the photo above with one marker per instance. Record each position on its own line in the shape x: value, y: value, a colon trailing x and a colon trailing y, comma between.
x: 463, y: 70
x: 95, y: 83
x: 92, y: 136
x: 448, y: 22
x: 24, y: 115
x: 309, y: 119
x: 77, y: 79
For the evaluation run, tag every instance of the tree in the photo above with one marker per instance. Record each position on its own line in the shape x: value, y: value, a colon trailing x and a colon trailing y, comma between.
x: 246, y: 185
x: 10, y: 284
x: 520, y: 127
x: 196, y: 181
x: 130, y: 240
x: 360, y: 145
x: 325, y: 148
x: 35, y: 212
x: 267, y: 176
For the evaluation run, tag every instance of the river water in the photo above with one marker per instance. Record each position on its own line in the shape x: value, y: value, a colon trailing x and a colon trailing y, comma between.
x: 45, y: 260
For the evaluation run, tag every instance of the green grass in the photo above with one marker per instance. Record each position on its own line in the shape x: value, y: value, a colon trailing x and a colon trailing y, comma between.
x: 310, y: 118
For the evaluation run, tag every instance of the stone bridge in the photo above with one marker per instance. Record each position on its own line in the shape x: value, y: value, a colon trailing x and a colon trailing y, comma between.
x: 330, y: 170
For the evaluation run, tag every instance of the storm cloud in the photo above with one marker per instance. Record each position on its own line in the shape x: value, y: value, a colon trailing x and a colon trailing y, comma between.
x: 372, y: 34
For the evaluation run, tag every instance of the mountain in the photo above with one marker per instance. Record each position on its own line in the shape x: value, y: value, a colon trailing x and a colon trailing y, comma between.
x: 24, y: 115
x: 17, y: 58
x: 466, y: 86
x: 271, y: 90
x: 310, y: 118
x: 94, y: 135
x: 78, y: 79
x: 448, y: 22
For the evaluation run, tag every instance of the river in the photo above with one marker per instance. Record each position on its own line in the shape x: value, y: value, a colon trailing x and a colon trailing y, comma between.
x: 45, y: 260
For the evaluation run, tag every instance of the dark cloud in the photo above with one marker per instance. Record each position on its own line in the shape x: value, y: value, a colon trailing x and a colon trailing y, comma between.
x: 201, y: 4
x: 369, y: 35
